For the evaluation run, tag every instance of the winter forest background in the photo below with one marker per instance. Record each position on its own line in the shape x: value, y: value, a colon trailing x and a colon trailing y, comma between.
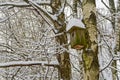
x: 36, y: 38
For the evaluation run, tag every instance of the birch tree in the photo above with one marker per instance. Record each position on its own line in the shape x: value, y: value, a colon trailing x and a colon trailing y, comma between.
x: 90, y: 55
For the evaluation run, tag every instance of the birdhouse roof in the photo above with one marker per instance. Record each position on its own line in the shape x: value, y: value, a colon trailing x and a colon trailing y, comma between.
x: 75, y: 23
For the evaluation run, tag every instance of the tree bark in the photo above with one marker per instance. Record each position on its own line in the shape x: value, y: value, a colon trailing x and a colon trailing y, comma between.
x: 118, y: 29
x: 90, y: 55
x: 63, y: 58
x: 113, y: 22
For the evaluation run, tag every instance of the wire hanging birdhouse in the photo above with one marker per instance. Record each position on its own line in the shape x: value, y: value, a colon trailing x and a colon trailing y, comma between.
x: 77, y: 31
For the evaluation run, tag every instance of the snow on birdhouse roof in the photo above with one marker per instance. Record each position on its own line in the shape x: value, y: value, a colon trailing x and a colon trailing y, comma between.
x: 74, y: 22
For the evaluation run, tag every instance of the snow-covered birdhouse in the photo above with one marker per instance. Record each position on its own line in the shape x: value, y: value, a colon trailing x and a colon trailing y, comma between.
x: 77, y: 30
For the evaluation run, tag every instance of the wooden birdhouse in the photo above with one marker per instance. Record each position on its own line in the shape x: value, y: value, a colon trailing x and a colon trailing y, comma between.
x: 77, y: 31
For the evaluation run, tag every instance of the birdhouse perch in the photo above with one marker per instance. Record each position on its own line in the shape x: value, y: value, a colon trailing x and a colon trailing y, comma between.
x: 77, y: 31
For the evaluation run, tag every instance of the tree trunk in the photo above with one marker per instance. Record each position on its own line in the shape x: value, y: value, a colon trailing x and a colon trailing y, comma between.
x: 90, y: 55
x: 113, y: 22
x: 63, y: 58
x: 118, y: 29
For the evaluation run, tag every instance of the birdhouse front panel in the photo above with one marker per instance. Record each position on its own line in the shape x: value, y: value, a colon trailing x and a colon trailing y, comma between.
x: 78, y: 39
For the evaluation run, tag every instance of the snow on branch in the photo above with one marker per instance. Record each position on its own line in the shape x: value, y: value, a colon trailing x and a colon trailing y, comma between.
x: 48, y: 17
x: 6, y: 18
x: 24, y: 4
x: 28, y: 63
x: 51, y: 17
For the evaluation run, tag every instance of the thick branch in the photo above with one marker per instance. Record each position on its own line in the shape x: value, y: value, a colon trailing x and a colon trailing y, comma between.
x: 23, y: 4
x: 105, y: 4
x: 27, y: 63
